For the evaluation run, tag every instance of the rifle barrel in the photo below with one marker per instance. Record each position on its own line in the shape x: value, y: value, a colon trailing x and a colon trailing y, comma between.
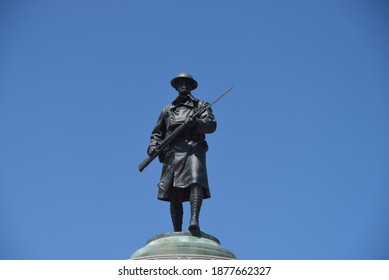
x: 164, y: 143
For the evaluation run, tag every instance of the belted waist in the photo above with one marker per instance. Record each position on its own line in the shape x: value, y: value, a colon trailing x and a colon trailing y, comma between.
x: 190, y: 136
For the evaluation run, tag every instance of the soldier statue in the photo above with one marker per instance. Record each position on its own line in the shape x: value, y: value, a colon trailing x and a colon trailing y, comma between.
x: 184, y: 173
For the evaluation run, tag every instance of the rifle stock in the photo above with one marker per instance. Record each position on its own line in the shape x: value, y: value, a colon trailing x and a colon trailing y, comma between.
x: 164, y: 143
x: 146, y: 162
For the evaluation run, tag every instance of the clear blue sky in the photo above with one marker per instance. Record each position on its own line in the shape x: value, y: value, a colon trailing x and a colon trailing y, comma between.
x: 299, y: 164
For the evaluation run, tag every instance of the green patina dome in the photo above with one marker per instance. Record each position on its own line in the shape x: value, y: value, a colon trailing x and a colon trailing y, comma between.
x: 183, y: 245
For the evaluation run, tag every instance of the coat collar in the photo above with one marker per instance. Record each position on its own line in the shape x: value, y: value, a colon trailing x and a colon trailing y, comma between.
x: 190, y: 100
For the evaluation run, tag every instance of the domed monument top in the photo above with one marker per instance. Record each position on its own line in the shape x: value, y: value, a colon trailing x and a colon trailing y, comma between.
x: 184, y: 246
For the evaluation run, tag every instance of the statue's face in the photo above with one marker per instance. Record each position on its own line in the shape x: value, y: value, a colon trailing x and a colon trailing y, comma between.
x: 183, y: 86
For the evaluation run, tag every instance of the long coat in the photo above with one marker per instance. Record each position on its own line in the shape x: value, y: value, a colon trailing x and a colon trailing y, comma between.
x: 184, y: 162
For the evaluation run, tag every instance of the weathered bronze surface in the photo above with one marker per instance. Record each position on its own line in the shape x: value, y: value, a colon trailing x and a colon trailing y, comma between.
x: 184, y: 174
x: 183, y: 246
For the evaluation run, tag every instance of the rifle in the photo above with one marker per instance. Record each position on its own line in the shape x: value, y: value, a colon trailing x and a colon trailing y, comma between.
x: 164, y: 143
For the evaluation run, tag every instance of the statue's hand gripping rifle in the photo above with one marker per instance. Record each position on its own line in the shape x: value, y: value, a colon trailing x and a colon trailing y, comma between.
x: 164, y: 143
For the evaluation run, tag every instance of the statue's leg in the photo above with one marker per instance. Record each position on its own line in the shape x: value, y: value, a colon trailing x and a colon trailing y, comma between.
x: 196, y: 199
x: 176, y: 210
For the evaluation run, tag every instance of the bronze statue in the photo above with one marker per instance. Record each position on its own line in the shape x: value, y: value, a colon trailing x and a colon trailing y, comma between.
x: 184, y: 173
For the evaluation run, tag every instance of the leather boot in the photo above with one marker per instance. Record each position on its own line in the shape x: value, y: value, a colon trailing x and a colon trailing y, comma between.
x: 196, y: 200
x: 176, y: 213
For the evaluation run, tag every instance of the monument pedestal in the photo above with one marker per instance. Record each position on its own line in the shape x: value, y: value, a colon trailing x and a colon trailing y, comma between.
x: 183, y: 246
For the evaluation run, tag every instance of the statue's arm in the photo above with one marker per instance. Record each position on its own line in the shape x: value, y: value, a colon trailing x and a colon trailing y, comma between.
x: 158, y: 133
x: 206, y: 123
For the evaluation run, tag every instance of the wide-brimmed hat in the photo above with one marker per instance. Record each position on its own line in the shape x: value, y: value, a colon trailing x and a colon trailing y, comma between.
x: 184, y: 76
